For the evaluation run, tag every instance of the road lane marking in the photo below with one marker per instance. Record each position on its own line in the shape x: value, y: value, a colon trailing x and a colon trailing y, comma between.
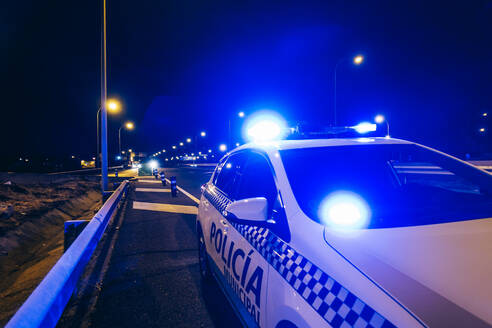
x: 193, y: 198
x: 170, y: 208
x: 152, y: 190
x: 149, y: 181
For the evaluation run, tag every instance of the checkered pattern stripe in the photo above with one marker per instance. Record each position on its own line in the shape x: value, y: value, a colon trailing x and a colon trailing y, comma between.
x: 338, y: 306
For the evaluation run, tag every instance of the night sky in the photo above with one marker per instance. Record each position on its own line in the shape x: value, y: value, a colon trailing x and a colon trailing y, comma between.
x: 180, y: 67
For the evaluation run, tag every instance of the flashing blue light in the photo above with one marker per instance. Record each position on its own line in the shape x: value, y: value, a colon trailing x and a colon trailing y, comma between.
x: 344, y: 210
x: 365, y: 127
x: 153, y: 164
x: 265, y: 126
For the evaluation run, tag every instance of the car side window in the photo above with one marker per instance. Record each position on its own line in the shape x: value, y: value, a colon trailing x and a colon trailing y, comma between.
x: 257, y: 180
x: 228, y: 173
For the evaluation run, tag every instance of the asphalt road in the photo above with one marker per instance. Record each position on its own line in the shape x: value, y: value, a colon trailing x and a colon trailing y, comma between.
x: 152, y: 275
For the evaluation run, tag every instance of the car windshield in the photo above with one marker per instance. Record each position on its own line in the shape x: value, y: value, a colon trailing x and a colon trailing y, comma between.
x: 386, y: 185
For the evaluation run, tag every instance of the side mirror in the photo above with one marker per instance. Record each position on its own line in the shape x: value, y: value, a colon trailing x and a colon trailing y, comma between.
x: 248, y: 211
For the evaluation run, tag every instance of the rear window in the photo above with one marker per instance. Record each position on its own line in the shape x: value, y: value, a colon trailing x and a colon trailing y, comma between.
x: 382, y: 186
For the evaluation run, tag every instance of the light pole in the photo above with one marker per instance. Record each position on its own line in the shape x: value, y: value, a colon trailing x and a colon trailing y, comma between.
x: 229, y: 141
x: 380, y: 119
x: 129, y: 126
x: 114, y: 107
x: 357, y: 60
x: 104, y: 125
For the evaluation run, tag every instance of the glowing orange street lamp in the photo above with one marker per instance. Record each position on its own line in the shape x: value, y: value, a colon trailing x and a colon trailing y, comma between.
x: 129, y: 126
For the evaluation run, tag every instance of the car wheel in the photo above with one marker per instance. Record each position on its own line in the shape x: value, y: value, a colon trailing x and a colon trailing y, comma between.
x: 205, y: 272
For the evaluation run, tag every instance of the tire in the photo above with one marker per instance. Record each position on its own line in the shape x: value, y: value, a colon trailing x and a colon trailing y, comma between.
x: 204, y: 265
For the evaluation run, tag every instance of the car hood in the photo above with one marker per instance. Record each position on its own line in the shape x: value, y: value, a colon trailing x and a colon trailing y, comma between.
x: 441, y: 273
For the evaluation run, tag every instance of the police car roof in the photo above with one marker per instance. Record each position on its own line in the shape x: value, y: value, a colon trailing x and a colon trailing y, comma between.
x: 311, y: 143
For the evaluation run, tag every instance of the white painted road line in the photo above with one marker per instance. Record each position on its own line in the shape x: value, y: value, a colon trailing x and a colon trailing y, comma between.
x: 193, y: 198
x: 171, y: 208
x: 152, y: 190
x: 149, y: 181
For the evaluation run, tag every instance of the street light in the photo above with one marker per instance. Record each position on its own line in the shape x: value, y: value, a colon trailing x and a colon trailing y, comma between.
x: 380, y: 119
x: 240, y: 115
x: 129, y: 126
x: 203, y: 134
x: 114, y: 107
x: 357, y: 60
x: 222, y: 147
x: 181, y: 144
x: 188, y: 140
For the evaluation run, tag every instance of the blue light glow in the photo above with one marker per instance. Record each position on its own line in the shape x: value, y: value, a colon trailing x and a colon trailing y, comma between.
x: 265, y: 126
x: 344, y: 210
x: 365, y: 127
x: 153, y: 164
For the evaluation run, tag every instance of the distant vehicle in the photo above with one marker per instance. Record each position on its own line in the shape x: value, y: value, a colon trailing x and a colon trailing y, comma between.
x: 363, y: 232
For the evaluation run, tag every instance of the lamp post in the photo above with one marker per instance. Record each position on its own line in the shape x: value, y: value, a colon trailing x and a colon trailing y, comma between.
x: 357, y: 60
x: 113, y: 107
x: 129, y: 126
x: 104, y: 132
x: 380, y: 119
x: 229, y: 141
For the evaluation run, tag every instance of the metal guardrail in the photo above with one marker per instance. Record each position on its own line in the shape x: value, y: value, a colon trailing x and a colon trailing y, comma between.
x: 47, y: 302
x: 84, y: 171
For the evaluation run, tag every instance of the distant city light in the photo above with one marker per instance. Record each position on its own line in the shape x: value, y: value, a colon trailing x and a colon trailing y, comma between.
x: 210, y: 150
x: 118, y: 157
x: 482, y: 130
x: 73, y: 156
x: 358, y: 59
x: 203, y: 133
x: 188, y: 140
x: 240, y: 114
x: 163, y: 150
x: 222, y: 147
x: 237, y: 144
x: 379, y: 119
x: 181, y: 144
x: 365, y: 127
x: 484, y: 114
x: 129, y: 150
x: 174, y: 147
x: 344, y: 209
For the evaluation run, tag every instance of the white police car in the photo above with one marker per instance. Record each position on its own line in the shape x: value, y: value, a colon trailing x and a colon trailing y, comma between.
x: 369, y: 232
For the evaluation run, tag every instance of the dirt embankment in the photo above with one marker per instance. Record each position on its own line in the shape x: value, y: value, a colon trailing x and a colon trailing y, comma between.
x: 31, y: 240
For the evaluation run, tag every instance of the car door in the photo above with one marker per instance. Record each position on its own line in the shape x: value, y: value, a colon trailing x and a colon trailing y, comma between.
x: 255, y: 179
x: 218, y: 193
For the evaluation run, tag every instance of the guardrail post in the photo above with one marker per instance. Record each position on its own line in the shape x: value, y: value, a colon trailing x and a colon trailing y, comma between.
x: 174, y: 191
x: 71, y: 231
x: 163, y: 178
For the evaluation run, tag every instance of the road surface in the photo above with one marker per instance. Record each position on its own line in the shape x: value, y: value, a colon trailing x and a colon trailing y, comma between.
x: 151, y: 276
